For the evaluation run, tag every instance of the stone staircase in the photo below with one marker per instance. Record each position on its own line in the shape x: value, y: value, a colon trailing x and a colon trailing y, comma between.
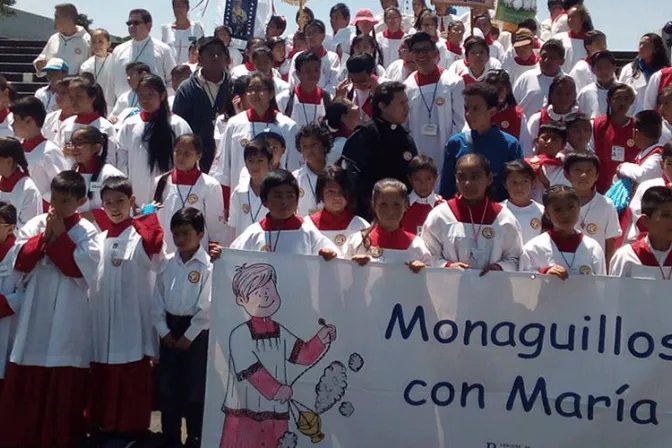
x: 16, y: 64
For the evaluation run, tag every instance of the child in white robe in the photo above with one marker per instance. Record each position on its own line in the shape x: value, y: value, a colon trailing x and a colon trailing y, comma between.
x: 423, y: 175
x: 123, y: 334
x: 582, y: 72
x: 392, y: 37
x: 246, y: 206
x: 471, y: 231
x: 100, y: 64
x: 16, y: 186
x: 519, y: 179
x: 11, y: 295
x: 598, y: 217
x: 476, y: 52
x: 314, y: 143
x: 648, y: 163
x: 55, y: 119
x: 187, y: 186
x: 510, y: 117
x: 146, y: 138
x: 336, y: 220
x: 592, y: 99
x: 281, y: 230
x: 649, y: 256
x: 385, y: 241
x: 127, y: 103
x: 563, y: 251
x: 53, y: 345
x: 8, y: 94
x: 548, y: 161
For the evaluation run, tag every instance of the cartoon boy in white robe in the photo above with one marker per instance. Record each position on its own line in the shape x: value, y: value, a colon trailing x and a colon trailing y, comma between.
x: 256, y: 406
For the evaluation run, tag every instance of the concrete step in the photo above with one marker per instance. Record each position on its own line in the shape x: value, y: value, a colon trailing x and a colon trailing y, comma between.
x: 23, y: 58
x: 16, y: 67
x: 23, y: 77
x: 9, y: 49
x: 23, y: 43
x: 28, y: 87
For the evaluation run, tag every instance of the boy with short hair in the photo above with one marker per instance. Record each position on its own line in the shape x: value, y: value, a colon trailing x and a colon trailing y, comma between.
x: 519, y: 180
x: 56, y: 70
x: 178, y: 75
x: 281, y: 230
x: 582, y: 72
x: 592, y: 99
x: 548, y: 161
x: 362, y: 82
x: 579, y: 133
x: 305, y: 102
x: 53, y: 344
x: 123, y: 336
x: 246, y: 206
x: 647, y: 165
x: 262, y: 58
x: 649, y: 257
x: 330, y: 65
x: 247, y: 67
x: 53, y: 120
x: 45, y: 159
x: 339, y: 17
x: 423, y: 175
x: 127, y: 103
x: 180, y: 310
x: 314, y: 143
x: 598, y: 216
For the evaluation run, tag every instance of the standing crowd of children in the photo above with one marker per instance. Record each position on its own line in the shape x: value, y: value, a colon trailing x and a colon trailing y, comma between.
x: 111, y: 215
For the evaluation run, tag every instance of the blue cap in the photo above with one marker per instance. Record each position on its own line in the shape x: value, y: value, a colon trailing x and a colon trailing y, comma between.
x: 56, y: 65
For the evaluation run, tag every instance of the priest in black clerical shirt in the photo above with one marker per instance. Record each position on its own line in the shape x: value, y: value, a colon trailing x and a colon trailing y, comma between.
x: 380, y: 148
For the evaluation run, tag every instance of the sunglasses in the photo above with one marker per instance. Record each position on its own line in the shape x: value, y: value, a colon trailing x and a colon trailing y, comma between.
x: 135, y: 22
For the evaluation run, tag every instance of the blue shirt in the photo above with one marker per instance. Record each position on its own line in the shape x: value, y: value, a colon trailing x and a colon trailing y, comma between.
x: 496, y: 146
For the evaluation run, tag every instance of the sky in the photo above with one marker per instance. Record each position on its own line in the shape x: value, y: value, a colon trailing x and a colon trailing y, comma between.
x: 623, y: 25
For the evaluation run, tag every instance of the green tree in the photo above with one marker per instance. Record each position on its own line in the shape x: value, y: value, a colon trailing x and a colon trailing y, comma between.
x: 82, y: 20
x: 6, y: 9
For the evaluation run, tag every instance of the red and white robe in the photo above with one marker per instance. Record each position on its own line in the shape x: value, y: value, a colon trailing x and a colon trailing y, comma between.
x: 552, y: 168
x: 70, y: 125
x: 635, y: 224
x: 329, y: 72
x: 574, y: 49
x: 613, y: 145
x: 308, y: 202
x: 20, y: 191
x: 417, y: 212
x: 389, y: 44
x: 546, y: 115
x: 648, y: 164
x: 458, y: 84
x: 93, y: 199
x: 640, y: 260
x: 395, y: 247
x: 6, y: 122
x: 246, y: 208
x: 11, y: 298
x: 658, y: 82
x: 337, y: 228
x: 46, y: 384
x: 45, y: 161
x: 123, y: 335
x: 485, y: 234
x: 578, y: 254
x: 307, y: 107
x: 512, y: 120
x: 515, y: 66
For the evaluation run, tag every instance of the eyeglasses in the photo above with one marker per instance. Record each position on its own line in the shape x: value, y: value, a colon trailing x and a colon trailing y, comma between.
x: 135, y: 22
x: 258, y: 90
x: 78, y: 143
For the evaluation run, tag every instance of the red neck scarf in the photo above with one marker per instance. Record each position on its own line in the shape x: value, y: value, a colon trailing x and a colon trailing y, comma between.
x: 29, y: 145
x: 117, y: 229
x: 399, y: 34
x: 324, y: 220
x: 249, y: 65
x: 579, y: 36
x: 488, y: 209
x: 432, y: 78
x: 563, y: 13
x: 314, y: 97
x: 7, y: 184
x: 566, y: 243
x: 644, y: 252
x: 179, y: 177
x: 456, y: 49
x: 72, y: 220
x: 147, y: 117
x: 398, y: 239
x: 320, y: 52
x: 87, y: 168
x: 4, y: 113
x: 254, y: 117
x: 532, y: 60
x: 87, y: 118
x: 489, y: 40
x: 269, y: 224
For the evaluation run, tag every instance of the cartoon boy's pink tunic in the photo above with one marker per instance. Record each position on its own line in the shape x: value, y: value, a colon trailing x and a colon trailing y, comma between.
x: 259, y: 350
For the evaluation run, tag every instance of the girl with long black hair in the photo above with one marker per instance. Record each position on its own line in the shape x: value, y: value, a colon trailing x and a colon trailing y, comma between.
x: 16, y: 186
x: 146, y: 140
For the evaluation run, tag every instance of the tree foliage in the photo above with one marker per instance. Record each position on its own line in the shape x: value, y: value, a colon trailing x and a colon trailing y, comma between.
x: 6, y: 9
x: 83, y: 21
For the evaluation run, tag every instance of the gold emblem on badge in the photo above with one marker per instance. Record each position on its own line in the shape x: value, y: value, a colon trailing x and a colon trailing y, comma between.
x: 440, y: 101
x: 631, y: 143
x: 116, y: 262
x: 244, y: 142
x: 585, y: 270
x: 301, y: 192
x: 78, y: 51
x: 194, y: 276
x: 535, y: 223
x: 505, y: 124
x: 192, y: 199
x: 488, y: 233
x: 246, y: 209
x: 339, y: 239
x: 265, y: 248
x: 376, y: 252
x: 407, y: 156
x: 591, y: 228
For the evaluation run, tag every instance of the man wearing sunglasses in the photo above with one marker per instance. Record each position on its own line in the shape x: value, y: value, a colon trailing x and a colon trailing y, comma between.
x: 141, y: 48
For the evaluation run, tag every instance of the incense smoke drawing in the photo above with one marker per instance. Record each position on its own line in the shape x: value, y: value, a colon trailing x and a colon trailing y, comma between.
x: 259, y: 400
x: 356, y: 362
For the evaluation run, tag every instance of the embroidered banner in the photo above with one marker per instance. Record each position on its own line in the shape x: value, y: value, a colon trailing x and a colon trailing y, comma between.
x: 239, y: 15
x: 516, y: 11
x: 490, y: 4
x: 306, y: 353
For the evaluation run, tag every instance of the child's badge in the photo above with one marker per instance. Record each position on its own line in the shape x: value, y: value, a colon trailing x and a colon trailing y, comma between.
x: 535, y: 223
x: 488, y: 233
x: 265, y: 248
x: 440, y: 101
x: 376, y: 252
x: 505, y: 124
x: 192, y: 199
x: 301, y: 192
x: 78, y: 51
x: 194, y: 276
x: 116, y: 262
x: 246, y: 209
x: 591, y: 228
x: 408, y: 156
x: 585, y: 270
x: 244, y: 142
x: 339, y: 239
x: 631, y: 143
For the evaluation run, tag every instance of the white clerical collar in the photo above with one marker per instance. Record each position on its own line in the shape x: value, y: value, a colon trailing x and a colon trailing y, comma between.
x: 429, y: 200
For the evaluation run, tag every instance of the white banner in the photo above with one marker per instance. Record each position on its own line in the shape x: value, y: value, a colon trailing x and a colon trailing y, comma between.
x: 437, y: 359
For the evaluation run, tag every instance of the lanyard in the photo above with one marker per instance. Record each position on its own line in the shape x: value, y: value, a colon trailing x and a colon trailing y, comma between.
x: 182, y: 199
x: 149, y: 39
x: 305, y: 114
x: 254, y: 129
x: 585, y: 216
x: 255, y: 215
x: 567, y: 263
x: 269, y: 240
x: 429, y: 107
x: 133, y: 103
x: 310, y: 183
x: 95, y: 65
x: 50, y: 96
x: 662, y: 271
x: 471, y: 217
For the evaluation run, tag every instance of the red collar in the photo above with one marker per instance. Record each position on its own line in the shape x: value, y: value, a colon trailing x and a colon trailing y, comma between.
x: 532, y: 60
x: 87, y: 168
x: 62, y: 117
x: 457, y: 49
x: 398, y: 239
x: 72, y: 220
x: 563, y: 13
x: 393, y: 35
x: 644, y: 252
x: 147, y: 117
x: 568, y: 244
x: 541, y: 160
x: 117, y: 229
x: 179, y: 177
x: 573, y: 35
x: 277, y: 64
x: 324, y: 220
x: 268, y: 117
x: 432, y: 78
x: 87, y: 118
x: 4, y: 113
x: 7, y: 184
x: 29, y: 145
x: 487, y: 208
x: 268, y: 224
x: 489, y: 40
x: 263, y: 328
x: 249, y: 65
x: 6, y: 246
x: 320, y: 52
x: 314, y: 97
